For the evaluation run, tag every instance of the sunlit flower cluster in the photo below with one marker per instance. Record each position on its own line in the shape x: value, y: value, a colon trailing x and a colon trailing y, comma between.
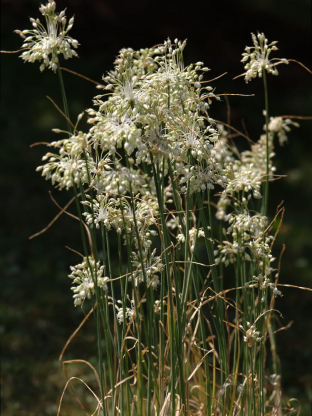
x: 47, y: 43
x: 251, y: 334
x: 86, y: 276
x: 258, y: 57
x: 71, y: 165
x: 280, y: 126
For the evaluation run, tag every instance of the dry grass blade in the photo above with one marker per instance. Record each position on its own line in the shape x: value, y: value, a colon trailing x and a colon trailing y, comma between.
x: 78, y: 219
x: 298, y: 117
x: 39, y: 143
x: 63, y: 210
x: 63, y: 393
x: 236, y: 131
x: 76, y: 331
x: 60, y: 111
x: 295, y: 287
x: 299, y: 63
x: 198, y: 365
x: 88, y: 364
x: 82, y: 76
x: 55, y: 218
x: 284, y: 327
x: 213, y: 79
x: 20, y: 50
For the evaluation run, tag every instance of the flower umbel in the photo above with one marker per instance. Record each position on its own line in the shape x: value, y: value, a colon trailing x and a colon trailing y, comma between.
x: 53, y: 40
x: 86, y: 276
x: 259, y: 57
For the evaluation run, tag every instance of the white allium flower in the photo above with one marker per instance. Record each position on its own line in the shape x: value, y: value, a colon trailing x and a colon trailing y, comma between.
x: 129, y: 313
x: 222, y: 205
x: 181, y: 238
x: 152, y: 100
x: 276, y: 291
x: 118, y: 179
x: 71, y: 164
x: 197, y: 178
x: 243, y: 178
x: 227, y: 253
x: 260, y: 248
x: 257, y: 156
x: 245, y: 227
x: 86, y: 275
x: 157, y: 306
x: 274, y: 379
x: 152, y: 265
x: 280, y: 126
x: 47, y: 43
x: 104, y: 210
x: 193, y: 232
x: 259, y: 57
x: 251, y: 335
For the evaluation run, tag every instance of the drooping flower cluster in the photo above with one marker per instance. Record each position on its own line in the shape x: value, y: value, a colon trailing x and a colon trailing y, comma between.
x: 280, y: 126
x: 87, y: 275
x: 47, y: 43
x: 128, y: 314
x: 72, y: 164
x: 251, y: 334
x: 151, y: 266
x: 263, y: 283
x: 258, y: 57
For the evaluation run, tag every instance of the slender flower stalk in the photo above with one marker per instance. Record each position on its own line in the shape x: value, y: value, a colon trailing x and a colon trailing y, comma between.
x: 266, y: 192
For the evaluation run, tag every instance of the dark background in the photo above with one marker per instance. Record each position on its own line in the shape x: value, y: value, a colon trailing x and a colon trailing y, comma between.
x: 37, y: 311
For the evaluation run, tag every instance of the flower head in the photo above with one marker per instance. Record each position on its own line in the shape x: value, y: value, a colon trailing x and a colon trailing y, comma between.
x: 280, y: 126
x: 259, y: 57
x: 85, y: 276
x: 46, y: 43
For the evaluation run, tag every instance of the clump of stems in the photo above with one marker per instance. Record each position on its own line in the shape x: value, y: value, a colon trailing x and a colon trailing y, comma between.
x: 177, y: 245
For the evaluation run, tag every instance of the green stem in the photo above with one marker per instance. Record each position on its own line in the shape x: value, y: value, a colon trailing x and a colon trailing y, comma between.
x: 266, y: 194
x: 66, y: 111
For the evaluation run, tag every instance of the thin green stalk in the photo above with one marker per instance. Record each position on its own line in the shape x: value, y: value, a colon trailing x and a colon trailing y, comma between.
x: 266, y: 194
x: 218, y: 320
x: 165, y: 245
x: 99, y: 336
x: 253, y: 397
x: 66, y: 111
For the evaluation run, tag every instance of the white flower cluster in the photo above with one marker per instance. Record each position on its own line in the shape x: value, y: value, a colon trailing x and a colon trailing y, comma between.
x: 263, y: 283
x: 251, y: 334
x: 258, y: 56
x: 243, y: 226
x: 86, y: 276
x: 194, y: 233
x: 127, y: 313
x: 249, y: 239
x: 152, y: 103
x: 227, y: 253
x: 71, y: 165
x: 151, y: 266
x: 280, y: 126
x: 242, y: 178
x: 198, y: 178
x: 230, y: 381
x: 47, y: 43
x: 118, y: 179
